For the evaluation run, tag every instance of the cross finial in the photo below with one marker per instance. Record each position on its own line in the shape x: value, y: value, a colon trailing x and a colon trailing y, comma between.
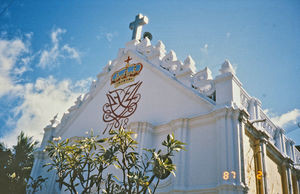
x: 136, y: 26
x: 128, y: 59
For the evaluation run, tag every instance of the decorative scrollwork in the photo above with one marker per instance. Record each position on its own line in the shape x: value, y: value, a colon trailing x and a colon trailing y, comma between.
x: 122, y: 103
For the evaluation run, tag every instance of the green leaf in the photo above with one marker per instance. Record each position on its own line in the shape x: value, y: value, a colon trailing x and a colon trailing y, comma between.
x: 117, y: 166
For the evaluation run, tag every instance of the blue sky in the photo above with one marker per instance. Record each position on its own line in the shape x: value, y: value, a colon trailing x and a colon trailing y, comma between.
x: 51, y: 50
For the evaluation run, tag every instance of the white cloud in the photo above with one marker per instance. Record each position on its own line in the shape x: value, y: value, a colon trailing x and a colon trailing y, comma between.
x: 83, y: 84
x: 109, y: 36
x: 10, y: 52
x: 40, y: 100
x: 27, y: 60
x: 24, y: 65
x: 55, y: 35
x: 51, y: 57
x: 29, y: 35
x: 204, y: 49
x: 20, y: 71
x: 72, y: 52
x: 289, y: 118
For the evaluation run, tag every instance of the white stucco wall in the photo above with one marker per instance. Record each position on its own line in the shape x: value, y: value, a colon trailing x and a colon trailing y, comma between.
x: 212, y: 130
x: 162, y: 100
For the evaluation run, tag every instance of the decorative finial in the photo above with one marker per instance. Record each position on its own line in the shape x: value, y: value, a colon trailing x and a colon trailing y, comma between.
x: 227, y: 67
x: 136, y: 26
x: 189, y: 63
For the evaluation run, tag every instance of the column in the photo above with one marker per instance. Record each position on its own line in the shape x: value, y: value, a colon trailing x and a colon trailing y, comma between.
x: 287, y: 165
x: 254, y: 110
x: 243, y: 117
x: 292, y: 144
x: 295, y: 183
x: 262, y: 155
x: 279, y: 139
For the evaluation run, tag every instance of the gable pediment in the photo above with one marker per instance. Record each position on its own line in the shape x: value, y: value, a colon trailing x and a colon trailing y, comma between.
x: 135, y: 90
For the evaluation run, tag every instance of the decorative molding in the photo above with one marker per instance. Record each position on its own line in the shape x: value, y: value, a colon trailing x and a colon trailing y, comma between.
x: 268, y: 125
x: 244, y: 99
x: 165, y: 75
x: 203, y: 82
x: 170, y: 62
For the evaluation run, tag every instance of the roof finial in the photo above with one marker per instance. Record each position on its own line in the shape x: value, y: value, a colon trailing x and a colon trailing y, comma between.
x: 227, y: 67
x: 136, y: 26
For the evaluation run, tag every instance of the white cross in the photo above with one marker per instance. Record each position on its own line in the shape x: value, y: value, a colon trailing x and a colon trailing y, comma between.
x: 136, y: 26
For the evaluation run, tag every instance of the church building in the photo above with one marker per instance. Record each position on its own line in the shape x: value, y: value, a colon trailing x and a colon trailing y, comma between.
x: 232, y: 145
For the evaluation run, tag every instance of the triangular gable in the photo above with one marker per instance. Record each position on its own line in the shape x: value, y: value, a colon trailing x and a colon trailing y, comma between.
x: 153, y: 95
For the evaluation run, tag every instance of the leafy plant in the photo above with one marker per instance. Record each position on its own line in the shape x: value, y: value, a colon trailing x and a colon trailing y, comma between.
x: 35, y: 185
x: 111, y: 165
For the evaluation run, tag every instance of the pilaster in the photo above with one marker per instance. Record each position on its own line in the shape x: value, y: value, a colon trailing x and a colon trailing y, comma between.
x: 182, y: 134
x: 243, y: 117
x: 262, y: 155
x: 143, y: 134
x: 230, y: 152
x: 287, y: 166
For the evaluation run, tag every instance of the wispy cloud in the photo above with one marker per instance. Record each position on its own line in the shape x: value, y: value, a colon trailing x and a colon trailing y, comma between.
x: 109, y: 36
x: 55, y: 35
x: 204, y: 49
x: 19, y: 71
x: 10, y: 53
x: 51, y: 57
x: 29, y: 35
x: 71, y: 53
x: 286, y: 119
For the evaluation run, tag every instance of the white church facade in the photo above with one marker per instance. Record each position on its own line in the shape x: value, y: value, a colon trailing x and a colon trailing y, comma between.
x: 232, y: 145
